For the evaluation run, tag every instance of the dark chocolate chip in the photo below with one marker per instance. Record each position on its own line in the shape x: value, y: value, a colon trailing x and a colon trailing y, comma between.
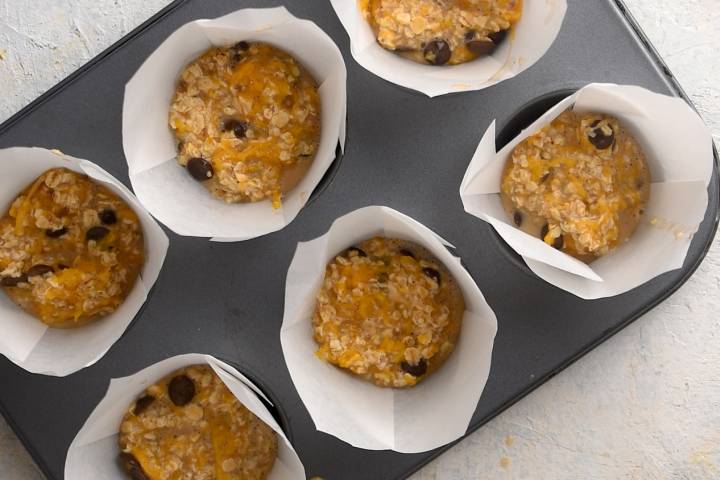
x: 437, y: 52
x: 13, y: 281
x: 239, y: 128
x: 142, y: 404
x: 382, y: 277
x: 498, y: 37
x: 108, y: 216
x: 39, y: 269
x: 518, y: 218
x: 558, y: 243
x: 358, y: 251
x: 62, y: 266
x: 432, y: 273
x: 200, y: 169
x: 181, y: 390
x: 241, y: 46
x: 415, y: 370
x: 406, y: 253
x: 481, y: 46
x: 544, y: 178
x: 237, y: 54
x: 599, y: 138
x: 132, y: 467
x: 96, y: 233
x: 484, y: 46
x: 56, y: 233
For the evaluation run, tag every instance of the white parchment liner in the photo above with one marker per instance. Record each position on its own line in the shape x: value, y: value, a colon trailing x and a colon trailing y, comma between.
x: 165, y: 188
x: 94, y: 451
x: 28, y: 342
x: 678, y: 148
x: 531, y: 37
x: 435, y: 412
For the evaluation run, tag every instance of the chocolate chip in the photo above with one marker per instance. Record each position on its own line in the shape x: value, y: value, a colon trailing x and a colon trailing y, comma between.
x: 382, y: 277
x: 415, y: 370
x: 432, y: 273
x: 96, y: 233
x: 406, y: 253
x: 437, y: 52
x: 481, y: 46
x: 13, y: 281
x: 131, y: 465
x: 181, y: 390
x: 599, y: 138
x: 239, y: 128
x: 518, y: 218
x: 56, y: 233
x: 142, y: 404
x: 238, y: 52
x: 498, y: 37
x: 484, y: 46
x: 359, y: 252
x: 241, y: 46
x: 544, y: 178
x: 108, y: 216
x: 39, y: 269
x: 558, y: 243
x: 62, y: 266
x: 200, y: 169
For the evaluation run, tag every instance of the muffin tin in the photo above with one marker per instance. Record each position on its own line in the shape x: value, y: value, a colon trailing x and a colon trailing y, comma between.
x: 403, y: 150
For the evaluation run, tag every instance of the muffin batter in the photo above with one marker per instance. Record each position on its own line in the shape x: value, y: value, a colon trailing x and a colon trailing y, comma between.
x: 388, y: 312
x: 191, y: 426
x: 70, y: 249
x: 581, y: 184
x: 247, y: 119
x: 440, y: 32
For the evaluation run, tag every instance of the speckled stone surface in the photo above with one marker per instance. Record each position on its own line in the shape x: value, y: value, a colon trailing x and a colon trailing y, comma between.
x: 644, y: 405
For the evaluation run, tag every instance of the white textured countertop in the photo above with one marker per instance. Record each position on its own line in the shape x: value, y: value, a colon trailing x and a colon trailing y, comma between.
x: 644, y: 405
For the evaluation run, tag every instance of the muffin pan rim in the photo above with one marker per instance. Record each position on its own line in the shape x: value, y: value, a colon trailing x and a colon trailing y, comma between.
x: 40, y: 454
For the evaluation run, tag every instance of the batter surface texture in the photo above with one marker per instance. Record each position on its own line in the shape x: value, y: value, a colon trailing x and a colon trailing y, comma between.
x: 247, y: 121
x: 387, y: 311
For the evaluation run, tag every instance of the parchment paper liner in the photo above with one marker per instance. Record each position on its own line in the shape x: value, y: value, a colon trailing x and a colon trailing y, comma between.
x: 26, y: 341
x: 435, y: 412
x: 678, y: 148
x: 94, y: 451
x: 531, y: 37
x: 165, y: 188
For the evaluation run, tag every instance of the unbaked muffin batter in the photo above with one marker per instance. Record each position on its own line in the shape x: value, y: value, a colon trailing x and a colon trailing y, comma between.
x: 190, y: 426
x: 247, y: 119
x: 70, y: 249
x: 387, y: 311
x: 581, y: 184
x: 439, y: 32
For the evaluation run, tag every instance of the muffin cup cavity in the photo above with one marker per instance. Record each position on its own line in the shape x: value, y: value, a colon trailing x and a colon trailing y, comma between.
x: 678, y: 196
x: 165, y: 188
x: 59, y: 352
x: 94, y: 451
x: 527, y: 42
x: 354, y: 410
